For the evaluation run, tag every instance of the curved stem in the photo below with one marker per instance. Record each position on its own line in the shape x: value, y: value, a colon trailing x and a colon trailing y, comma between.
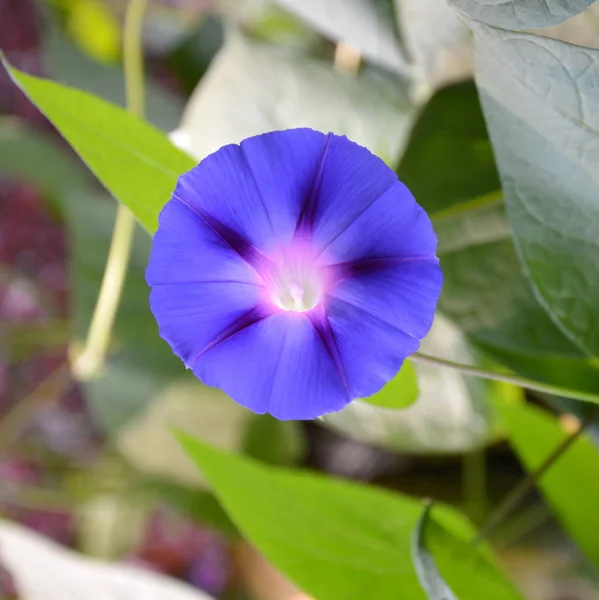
x: 91, y: 360
x: 524, y: 382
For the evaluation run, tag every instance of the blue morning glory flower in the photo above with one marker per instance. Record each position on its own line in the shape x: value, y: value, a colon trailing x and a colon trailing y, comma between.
x: 293, y: 271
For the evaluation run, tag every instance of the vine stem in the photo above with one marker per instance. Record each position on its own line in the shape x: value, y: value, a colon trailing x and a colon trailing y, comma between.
x: 89, y: 362
x: 544, y: 388
x: 517, y: 495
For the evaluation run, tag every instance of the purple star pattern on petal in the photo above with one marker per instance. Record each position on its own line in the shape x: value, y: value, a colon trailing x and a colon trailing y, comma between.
x: 295, y: 272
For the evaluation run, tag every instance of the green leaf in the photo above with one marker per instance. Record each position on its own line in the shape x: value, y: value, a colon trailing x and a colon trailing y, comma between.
x: 370, y: 110
x: 570, y: 485
x: 367, y: 25
x: 337, y: 540
x: 400, y: 392
x: 538, y: 95
x: 136, y: 162
x: 521, y: 14
x: 428, y: 574
x: 450, y: 139
x: 484, y: 291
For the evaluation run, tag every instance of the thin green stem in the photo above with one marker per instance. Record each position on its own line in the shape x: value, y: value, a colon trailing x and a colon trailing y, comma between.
x: 530, y: 384
x: 517, y: 495
x: 91, y: 360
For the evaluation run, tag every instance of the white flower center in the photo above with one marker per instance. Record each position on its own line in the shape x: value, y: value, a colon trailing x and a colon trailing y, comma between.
x: 297, y: 291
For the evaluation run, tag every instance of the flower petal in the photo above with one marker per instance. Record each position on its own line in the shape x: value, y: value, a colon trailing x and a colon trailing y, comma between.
x: 350, y: 180
x: 378, y: 317
x: 186, y: 250
x: 404, y: 295
x: 371, y: 350
x: 394, y: 225
x: 278, y: 365
x: 256, y: 189
x: 285, y: 165
x: 193, y: 317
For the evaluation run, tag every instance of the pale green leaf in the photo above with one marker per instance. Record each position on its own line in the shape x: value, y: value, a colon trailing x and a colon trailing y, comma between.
x: 521, y: 14
x: 539, y: 97
x: 252, y: 87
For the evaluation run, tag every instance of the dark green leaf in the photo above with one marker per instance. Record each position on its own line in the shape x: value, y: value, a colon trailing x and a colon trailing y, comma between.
x: 428, y: 574
x: 539, y: 97
x: 135, y: 161
x: 367, y: 25
x: 570, y: 485
x: 449, y: 166
x: 521, y: 14
x: 449, y: 160
x: 335, y: 539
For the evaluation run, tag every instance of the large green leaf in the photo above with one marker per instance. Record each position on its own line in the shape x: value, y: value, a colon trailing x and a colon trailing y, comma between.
x: 252, y: 87
x: 136, y: 162
x: 367, y: 25
x: 339, y: 540
x: 539, y: 97
x: 521, y: 14
x: 570, y: 485
x: 485, y: 291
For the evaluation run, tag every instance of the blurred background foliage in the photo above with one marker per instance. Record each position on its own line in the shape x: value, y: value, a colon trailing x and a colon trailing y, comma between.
x: 95, y: 466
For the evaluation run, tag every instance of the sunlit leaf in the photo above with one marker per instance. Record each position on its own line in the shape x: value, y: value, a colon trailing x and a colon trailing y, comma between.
x: 337, y: 540
x: 570, y: 485
x: 135, y: 161
x: 400, y: 392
